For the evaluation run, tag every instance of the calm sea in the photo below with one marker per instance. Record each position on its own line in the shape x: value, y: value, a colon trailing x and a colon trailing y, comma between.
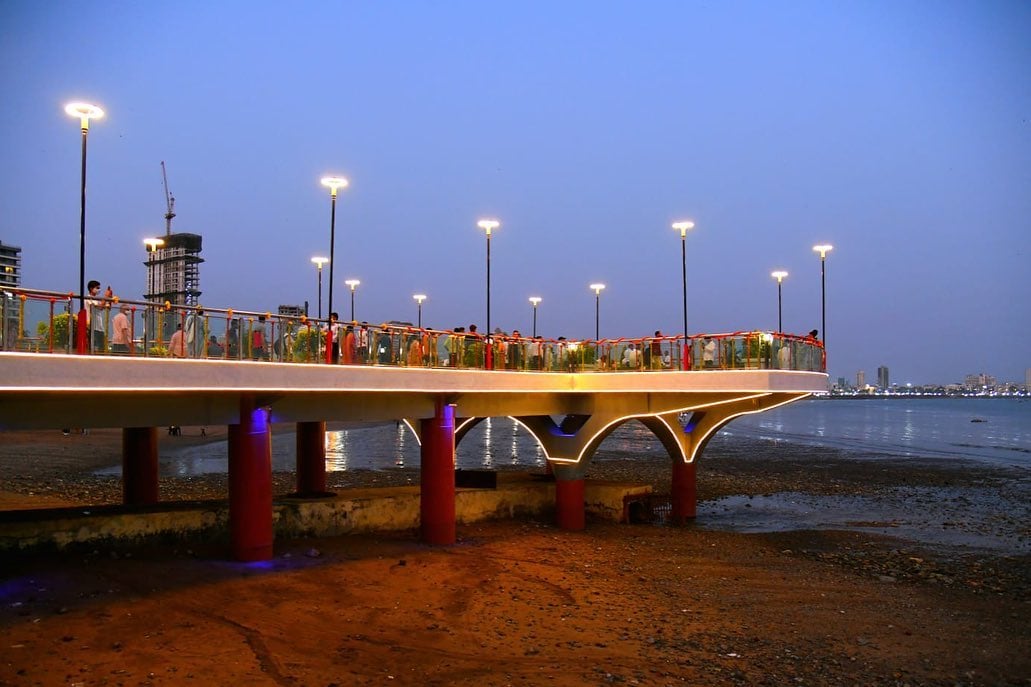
x: 994, y: 430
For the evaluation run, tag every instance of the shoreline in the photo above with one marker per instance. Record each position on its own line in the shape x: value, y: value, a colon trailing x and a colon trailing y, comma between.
x: 745, y: 484
x: 521, y: 602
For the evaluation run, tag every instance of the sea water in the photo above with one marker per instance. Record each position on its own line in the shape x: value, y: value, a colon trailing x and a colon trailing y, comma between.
x: 985, y: 429
x: 996, y: 430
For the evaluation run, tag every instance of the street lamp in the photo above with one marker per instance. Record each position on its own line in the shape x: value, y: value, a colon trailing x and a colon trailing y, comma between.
x: 353, y: 283
x: 779, y: 276
x: 823, y: 249
x: 319, y: 262
x: 333, y: 183
x: 597, y: 308
x: 419, y: 298
x: 683, y: 227
x: 488, y: 225
x: 85, y: 112
x: 535, y: 301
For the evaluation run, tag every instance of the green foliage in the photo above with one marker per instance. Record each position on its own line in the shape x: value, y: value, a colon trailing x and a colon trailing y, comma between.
x: 306, y: 344
x: 62, y: 331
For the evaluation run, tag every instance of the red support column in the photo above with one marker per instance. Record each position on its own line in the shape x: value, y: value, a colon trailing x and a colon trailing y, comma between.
x: 139, y: 465
x: 437, y: 497
x: 250, y: 484
x: 685, y: 493
x: 569, y: 504
x: 311, y: 459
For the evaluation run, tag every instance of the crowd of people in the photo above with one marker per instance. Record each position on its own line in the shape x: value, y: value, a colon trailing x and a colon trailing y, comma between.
x: 291, y: 339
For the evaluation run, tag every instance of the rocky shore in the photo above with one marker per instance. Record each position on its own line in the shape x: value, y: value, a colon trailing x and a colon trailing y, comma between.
x: 807, y: 566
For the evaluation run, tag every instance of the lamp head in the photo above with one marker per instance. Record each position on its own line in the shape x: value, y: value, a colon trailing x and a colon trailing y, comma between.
x: 319, y: 261
x: 683, y: 227
x: 85, y: 112
x: 488, y: 225
x: 353, y: 283
x: 823, y: 249
x: 419, y: 298
x: 535, y: 300
x: 779, y: 275
x: 334, y: 183
x: 597, y: 288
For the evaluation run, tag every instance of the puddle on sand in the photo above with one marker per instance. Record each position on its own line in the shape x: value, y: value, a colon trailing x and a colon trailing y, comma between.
x: 982, y: 520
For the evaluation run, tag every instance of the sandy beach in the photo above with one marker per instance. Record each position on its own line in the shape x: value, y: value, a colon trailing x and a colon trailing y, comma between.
x: 806, y: 566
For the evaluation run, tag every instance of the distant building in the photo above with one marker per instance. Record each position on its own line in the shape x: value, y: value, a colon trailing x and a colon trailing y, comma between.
x: 882, y: 377
x: 860, y: 379
x: 1027, y: 379
x: 10, y: 265
x: 10, y: 276
x: 979, y: 382
x: 292, y: 310
x: 173, y: 273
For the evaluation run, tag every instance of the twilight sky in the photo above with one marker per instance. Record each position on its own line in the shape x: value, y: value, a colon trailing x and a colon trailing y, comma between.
x: 898, y: 131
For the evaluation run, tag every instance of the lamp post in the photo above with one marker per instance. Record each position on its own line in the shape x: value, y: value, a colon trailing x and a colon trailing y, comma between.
x: 319, y: 262
x: 353, y: 283
x: 597, y: 288
x: 488, y: 225
x: 683, y: 227
x: 779, y: 276
x: 823, y: 249
x: 419, y: 298
x: 333, y: 183
x: 85, y: 112
x: 535, y: 301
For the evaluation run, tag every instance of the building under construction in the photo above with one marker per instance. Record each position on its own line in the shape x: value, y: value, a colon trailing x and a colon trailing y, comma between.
x: 173, y: 266
x: 173, y: 270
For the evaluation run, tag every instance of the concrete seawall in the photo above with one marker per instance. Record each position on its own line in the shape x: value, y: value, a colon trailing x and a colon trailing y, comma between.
x: 350, y: 511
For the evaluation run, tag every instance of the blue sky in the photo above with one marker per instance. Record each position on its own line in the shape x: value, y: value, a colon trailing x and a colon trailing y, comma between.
x: 897, y: 131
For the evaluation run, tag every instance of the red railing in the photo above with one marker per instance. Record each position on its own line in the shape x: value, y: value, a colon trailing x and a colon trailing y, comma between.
x: 44, y: 322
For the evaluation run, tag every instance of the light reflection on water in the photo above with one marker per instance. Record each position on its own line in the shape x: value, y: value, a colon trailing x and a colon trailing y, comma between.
x: 494, y: 441
x: 918, y: 427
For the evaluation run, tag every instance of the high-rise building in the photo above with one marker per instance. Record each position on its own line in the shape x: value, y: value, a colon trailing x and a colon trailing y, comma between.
x: 10, y: 265
x: 10, y: 276
x: 173, y: 270
x: 173, y: 274
x: 860, y: 379
x: 882, y: 376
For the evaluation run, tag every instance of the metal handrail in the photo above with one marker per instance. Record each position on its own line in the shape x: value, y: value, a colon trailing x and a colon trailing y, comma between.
x: 242, y: 335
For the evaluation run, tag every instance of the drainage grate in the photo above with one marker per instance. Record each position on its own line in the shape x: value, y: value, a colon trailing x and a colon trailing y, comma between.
x: 647, y: 509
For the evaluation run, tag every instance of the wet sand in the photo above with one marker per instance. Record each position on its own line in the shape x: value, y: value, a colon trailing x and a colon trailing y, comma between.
x: 807, y: 566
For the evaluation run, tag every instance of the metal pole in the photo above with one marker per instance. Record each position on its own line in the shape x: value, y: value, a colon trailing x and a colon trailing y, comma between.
x: 780, y: 327
x: 597, y: 312
x: 488, y: 285
x: 535, y: 320
x: 823, y: 300
x: 332, y: 243
x: 82, y: 228
x: 683, y: 259
x: 352, y: 305
x: 420, y: 315
x: 320, y: 292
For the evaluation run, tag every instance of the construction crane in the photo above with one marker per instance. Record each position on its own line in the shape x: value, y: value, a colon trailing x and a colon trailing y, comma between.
x: 170, y: 200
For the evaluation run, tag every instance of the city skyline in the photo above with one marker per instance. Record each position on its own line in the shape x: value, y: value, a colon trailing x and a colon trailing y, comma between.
x: 898, y: 134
